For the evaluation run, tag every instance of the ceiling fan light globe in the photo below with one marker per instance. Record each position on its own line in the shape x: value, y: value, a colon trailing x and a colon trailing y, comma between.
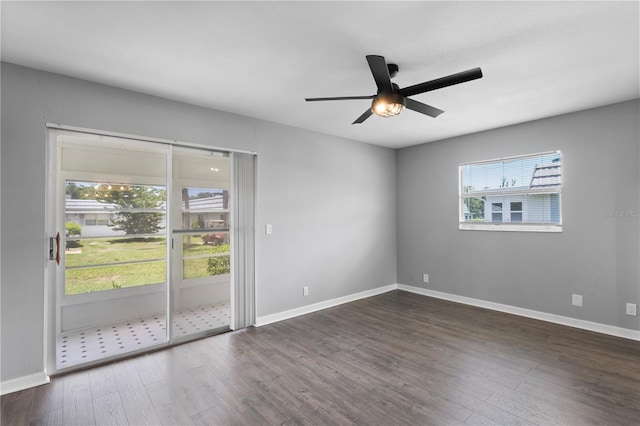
x: 387, y: 105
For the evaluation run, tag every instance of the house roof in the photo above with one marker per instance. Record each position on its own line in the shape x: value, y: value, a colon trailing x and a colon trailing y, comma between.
x: 207, y: 203
x: 87, y: 206
x: 547, y: 176
x: 544, y: 176
x: 95, y: 206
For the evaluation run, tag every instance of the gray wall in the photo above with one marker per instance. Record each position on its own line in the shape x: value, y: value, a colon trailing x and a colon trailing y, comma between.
x: 597, y: 255
x: 333, y: 206
x: 331, y: 201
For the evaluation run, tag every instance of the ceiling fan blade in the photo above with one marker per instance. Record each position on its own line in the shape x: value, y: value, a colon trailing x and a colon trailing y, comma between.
x: 439, y: 83
x: 422, y: 108
x: 380, y: 73
x: 339, y: 98
x: 363, y: 117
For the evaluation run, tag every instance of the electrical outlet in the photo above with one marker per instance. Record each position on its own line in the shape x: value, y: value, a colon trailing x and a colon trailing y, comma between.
x: 425, y: 278
x: 576, y: 299
x: 305, y: 291
x: 631, y: 309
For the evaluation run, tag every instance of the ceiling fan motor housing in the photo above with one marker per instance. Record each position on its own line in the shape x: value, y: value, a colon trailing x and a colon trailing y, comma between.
x: 393, y: 70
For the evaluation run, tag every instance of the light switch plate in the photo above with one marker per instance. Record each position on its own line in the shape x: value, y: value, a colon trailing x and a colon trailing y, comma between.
x: 268, y: 229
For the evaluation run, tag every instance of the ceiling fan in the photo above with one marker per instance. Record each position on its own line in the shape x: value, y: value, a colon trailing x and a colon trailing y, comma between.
x: 391, y: 100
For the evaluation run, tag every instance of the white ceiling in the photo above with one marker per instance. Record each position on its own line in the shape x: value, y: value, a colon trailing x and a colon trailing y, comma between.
x: 261, y: 59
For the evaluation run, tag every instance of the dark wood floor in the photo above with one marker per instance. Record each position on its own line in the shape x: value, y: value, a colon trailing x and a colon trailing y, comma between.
x: 397, y: 358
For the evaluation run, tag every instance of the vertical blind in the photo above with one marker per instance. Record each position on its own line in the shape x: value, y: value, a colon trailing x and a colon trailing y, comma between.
x: 243, y: 267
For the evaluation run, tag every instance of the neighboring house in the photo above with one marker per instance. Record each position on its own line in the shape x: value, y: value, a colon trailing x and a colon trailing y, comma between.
x: 94, y: 216
x: 207, y: 212
x: 539, y: 202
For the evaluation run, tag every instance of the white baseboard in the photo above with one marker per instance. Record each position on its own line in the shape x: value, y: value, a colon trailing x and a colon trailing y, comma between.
x: 37, y: 379
x: 25, y: 382
x: 543, y: 316
x: 528, y: 313
x: 303, y: 310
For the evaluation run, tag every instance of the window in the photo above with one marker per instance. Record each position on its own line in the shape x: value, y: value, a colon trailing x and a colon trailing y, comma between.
x: 512, y: 194
x: 96, y: 220
x: 516, y: 211
x: 496, y: 212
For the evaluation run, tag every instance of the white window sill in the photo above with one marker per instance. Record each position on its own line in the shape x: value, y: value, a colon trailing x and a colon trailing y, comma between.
x: 509, y: 227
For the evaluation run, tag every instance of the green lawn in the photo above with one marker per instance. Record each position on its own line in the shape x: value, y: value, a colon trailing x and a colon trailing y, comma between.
x: 194, y: 268
x: 118, y: 276
x: 101, y: 251
x: 150, y: 252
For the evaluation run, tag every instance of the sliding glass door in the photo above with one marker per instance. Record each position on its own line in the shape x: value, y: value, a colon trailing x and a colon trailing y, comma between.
x: 145, y: 246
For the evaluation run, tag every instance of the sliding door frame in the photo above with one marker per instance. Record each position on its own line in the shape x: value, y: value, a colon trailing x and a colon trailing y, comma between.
x: 53, y: 206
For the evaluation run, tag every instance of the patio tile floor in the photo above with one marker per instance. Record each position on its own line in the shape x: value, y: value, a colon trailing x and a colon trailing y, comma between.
x: 104, y: 341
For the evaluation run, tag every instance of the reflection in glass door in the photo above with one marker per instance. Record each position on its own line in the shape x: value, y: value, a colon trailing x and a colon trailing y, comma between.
x: 201, y: 283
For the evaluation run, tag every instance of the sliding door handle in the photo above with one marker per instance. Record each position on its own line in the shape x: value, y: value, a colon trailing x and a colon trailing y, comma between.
x: 54, y: 248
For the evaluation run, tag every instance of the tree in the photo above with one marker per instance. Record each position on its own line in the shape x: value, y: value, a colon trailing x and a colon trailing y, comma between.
x: 74, y: 191
x: 505, y: 183
x: 475, y: 205
x: 80, y: 190
x: 128, y: 199
x: 204, y: 195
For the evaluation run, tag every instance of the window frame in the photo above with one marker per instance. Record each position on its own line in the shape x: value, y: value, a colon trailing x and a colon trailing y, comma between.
x: 509, y: 225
